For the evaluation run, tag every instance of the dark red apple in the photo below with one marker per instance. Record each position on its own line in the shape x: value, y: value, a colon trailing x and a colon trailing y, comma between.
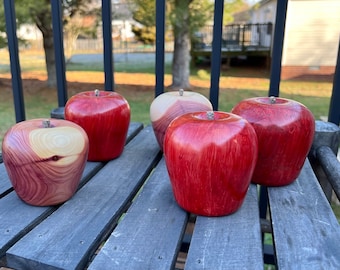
x: 105, y: 116
x: 210, y: 157
x: 45, y: 159
x: 285, y: 131
x: 169, y: 105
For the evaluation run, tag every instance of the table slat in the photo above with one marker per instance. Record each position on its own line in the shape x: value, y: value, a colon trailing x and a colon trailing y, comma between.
x: 308, y: 233
x: 228, y: 242
x: 150, y: 234
x: 17, y: 217
x: 68, y: 237
x: 5, y: 184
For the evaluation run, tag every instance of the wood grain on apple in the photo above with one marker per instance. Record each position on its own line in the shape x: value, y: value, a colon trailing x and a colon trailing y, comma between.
x: 45, y: 164
x: 210, y: 157
x: 105, y: 116
x: 169, y: 105
x: 285, y: 130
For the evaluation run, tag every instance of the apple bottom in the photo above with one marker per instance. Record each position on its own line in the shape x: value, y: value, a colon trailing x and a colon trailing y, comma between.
x: 214, y: 204
x: 274, y: 174
x: 282, y: 152
x: 211, y: 182
x: 42, y: 184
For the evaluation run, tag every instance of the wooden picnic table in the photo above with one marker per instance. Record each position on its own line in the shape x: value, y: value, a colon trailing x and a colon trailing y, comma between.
x: 124, y: 216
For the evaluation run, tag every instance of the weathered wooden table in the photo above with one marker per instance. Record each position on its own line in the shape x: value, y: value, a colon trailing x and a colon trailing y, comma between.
x: 124, y: 216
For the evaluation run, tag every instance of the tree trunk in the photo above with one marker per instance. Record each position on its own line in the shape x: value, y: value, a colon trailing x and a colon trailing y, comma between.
x: 181, y: 57
x: 50, y: 60
x: 43, y: 21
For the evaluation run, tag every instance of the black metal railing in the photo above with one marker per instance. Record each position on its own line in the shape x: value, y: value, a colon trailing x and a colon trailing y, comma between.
x: 236, y: 37
x: 218, y: 40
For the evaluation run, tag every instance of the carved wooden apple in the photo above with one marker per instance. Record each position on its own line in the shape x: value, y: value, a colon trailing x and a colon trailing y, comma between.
x: 45, y: 159
x: 210, y: 157
x: 169, y: 105
x: 105, y: 116
x: 285, y: 131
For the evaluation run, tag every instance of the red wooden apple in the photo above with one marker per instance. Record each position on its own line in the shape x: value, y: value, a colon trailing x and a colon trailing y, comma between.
x: 169, y: 105
x: 285, y: 131
x: 45, y: 159
x: 105, y: 116
x: 210, y: 157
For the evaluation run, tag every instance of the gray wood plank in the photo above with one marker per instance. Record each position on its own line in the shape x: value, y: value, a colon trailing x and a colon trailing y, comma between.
x: 306, y: 232
x: 17, y: 217
x: 154, y: 241
x: 134, y: 129
x: 5, y: 184
x: 69, y: 236
x: 228, y: 242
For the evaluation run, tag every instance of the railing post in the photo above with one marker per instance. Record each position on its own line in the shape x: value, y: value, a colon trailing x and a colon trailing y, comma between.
x: 243, y: 36
x: 280, y: 22
x: 334, y: 109
x: 14, y: 59
x: 326, y: 134
x: 216, y: 53
x: 160, y: 32
x: 107, y: 40
x: 56, y: 10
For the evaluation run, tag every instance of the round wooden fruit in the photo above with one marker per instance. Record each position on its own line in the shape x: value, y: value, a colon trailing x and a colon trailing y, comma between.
x: 45, y: 159
x: 167, y: 106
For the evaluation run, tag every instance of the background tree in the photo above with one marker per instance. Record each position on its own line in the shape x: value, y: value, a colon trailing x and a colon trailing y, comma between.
x: 81, y: 23
x: 2, y: 26
x: 185, y: 18
x: 38, y: 12
x: 144, y: 13
x: 180, y: 21
x: 231, y: 7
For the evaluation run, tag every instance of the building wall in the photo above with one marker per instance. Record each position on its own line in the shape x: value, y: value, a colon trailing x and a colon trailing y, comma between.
x: 311, y: 38
x: 264, y: 12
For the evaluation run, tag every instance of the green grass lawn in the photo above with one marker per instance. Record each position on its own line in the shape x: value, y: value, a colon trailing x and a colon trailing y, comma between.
x: 137, y: 85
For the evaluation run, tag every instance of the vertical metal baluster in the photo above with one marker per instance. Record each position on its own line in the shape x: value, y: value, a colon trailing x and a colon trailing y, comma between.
x: 160, y: 32
x: 18, y: 96
x: 216, y: 53
x: 107, y: 40
x: 280, y: 22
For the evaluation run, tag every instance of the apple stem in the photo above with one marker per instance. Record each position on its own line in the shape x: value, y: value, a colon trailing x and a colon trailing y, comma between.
x: 272, y: 99
x: 210, y: 115
x: 181, y: 92
x: 96, y: 93
x: 46, y: 123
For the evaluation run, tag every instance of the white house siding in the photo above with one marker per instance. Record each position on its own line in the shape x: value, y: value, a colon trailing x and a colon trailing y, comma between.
x: 264, y: 12
x: 311, y: 37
